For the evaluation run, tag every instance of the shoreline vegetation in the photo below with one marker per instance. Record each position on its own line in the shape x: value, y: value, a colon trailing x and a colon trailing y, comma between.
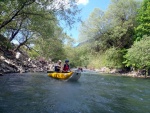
x: 20, y: 62
x: 134, y: 74
x: 23, y: 64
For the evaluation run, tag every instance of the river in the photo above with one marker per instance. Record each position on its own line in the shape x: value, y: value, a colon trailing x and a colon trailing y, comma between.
x: 92, y: 93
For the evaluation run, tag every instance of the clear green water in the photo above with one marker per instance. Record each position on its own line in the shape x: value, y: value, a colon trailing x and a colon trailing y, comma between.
x: 93, y: 93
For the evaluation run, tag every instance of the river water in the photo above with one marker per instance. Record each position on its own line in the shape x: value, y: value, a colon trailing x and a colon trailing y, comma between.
x: 92, y: 93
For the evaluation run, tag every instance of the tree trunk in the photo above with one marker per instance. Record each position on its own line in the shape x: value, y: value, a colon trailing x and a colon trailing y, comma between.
x: 146, y: 74
x: 21, y: 44
x: 13, y: 35
x: 16, y: 31
x: 148, y: 71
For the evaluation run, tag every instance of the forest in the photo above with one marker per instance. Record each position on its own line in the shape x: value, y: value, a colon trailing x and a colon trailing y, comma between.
x: 118, y: 38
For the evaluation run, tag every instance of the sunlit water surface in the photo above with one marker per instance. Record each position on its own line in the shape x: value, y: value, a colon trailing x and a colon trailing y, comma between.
x: 93, y: 93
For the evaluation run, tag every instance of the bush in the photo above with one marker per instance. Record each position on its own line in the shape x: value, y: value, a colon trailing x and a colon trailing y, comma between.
x: 138, y: 55
x: 114, y: 57
x: 4, y: 42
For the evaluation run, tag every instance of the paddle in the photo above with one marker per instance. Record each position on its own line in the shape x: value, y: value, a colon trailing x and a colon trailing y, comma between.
x: 57, y: 72
x: 50, y: 71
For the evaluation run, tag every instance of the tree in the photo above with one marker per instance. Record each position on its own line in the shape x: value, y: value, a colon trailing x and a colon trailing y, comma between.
x: 122, y: 16
x: 49, y: 47
x: 27, y: 19
x: 143, y: 20
x: 113, y: 28
x: 114, y: 58
x: 138, y: 56
x: 108, y: 34
x: 93, y: 26
x: 65, y: 10
x: 76, y: 54
x: 16, y: 7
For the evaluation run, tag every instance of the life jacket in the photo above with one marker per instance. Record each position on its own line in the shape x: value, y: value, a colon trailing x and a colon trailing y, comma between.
x: 66, y: 67
x: 57, y: 69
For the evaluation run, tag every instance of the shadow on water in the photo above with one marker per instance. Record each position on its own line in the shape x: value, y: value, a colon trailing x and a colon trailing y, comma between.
x: 93, y: 93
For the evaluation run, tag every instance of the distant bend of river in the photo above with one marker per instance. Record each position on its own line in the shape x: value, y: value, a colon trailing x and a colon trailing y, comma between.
x: 92, y: 93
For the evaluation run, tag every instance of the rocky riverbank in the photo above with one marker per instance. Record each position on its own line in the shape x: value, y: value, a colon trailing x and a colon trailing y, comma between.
x: 133, y: 73
x: 20, y: 62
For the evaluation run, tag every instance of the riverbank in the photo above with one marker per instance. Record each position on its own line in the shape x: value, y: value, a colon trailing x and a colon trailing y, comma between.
x: 20, y: 62
x: 23, y: 66
x: 135, y: 74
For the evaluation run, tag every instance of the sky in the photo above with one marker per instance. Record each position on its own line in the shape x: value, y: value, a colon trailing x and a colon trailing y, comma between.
x: 87, y: 7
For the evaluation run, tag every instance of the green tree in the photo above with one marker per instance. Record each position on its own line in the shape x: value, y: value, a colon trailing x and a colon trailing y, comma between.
x: 26, y: 19
x: 138, y: 55
x: 92, y: 26
x: 10, y: 10
x: 113, y: 28
x: 108, y: 34
x: 50, y: 46
x: 114, y: 58
x: 143, y: 20
x: 76, y: 54
x: 122, y: 16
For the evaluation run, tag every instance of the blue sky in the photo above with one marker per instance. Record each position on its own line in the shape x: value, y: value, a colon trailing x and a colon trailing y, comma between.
x: 87, y: 7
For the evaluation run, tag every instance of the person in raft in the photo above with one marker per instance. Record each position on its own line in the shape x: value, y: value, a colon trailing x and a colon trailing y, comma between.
x: 58, y: 66
x: 66, y: 67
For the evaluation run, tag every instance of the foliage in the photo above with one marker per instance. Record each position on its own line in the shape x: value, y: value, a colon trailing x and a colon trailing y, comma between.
x: 122, y: 15
x: 78, y: 56
x: 92, y: 26
x: 51, y: 47
x: 27, y: 19
x: 33, y: 53
x: 113, y: 28
x: 108, y: 34
x: 138, y: 55
x: 97, y: 61
x: 11, y: 10
x: 114, y: 58
x: 4, y: 42
x: 143, y: 20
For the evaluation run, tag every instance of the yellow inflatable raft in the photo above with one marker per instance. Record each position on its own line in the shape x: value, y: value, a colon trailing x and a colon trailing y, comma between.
x: 62, y: 76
